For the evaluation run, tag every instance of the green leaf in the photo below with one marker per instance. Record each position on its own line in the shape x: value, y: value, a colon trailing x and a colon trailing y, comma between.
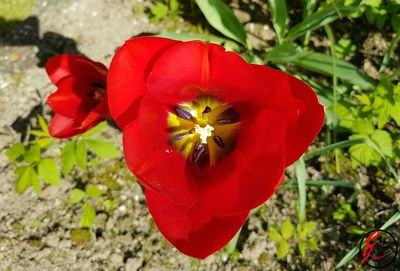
x: 302, y: 248
x: 362, y: 126
x: 310, y: 226
x: 88, y: 217
x: 15, y: 151
x: 363, y: 153
x: 319, y: 63
x: 38, y: 133
x: 24, y: 180
x: 230, y: 248
x: 384, y: 141
x: 229, y: 45
x: 283, y: 249
x: 68, y: 157
x: 81, y: 154
x: 93, y: 191
x: 95, y: 130
x: 220, y: 16
x: 103, y: 149
x: 287, y: 229
x: 43, y: 124
x: 318, y: 19
x: 355, y: 230
x: 35, y: 182
x: 32, y: 154
x: 158, y: 12
x: 43, y: 142
x: 280, y: 17
x: 274, y: 235
x: 76, y: 195
x: 109, y: 205
x: 312, y: 244
x: 174, y: 7
x: 48, y: 170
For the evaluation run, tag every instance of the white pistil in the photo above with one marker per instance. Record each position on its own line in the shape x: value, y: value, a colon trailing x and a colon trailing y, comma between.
x: 204, y: 132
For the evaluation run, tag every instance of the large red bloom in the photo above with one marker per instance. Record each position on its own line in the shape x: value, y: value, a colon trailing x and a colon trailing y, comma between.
x: 207, y: 134
x: 80, y: 101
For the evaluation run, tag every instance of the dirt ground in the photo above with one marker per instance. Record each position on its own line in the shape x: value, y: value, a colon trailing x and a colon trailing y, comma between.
x: 40, y: 233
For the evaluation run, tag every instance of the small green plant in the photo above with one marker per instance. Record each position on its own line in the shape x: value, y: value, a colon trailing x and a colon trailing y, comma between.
x: 344, y: 211
x: 35, y: 164
x: 161, y: 10
x: 290, y: 235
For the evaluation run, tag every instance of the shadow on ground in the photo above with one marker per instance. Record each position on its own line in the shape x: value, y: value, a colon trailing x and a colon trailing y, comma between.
x: 25, y: 33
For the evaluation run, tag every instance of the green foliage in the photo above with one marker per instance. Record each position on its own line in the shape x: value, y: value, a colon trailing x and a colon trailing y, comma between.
x: 76, y: 195
x: 221, y: 17
x: 103, y: 149
x: 88, y: 216
x: 280, y: 18
x: 345, y: 211
x: 344, y: 47
x: 289, y: 235
x: 161, y: 11
x: 68, y: 157
x: 320, y: 18
x: 15, y: 152
x: 319, y: 63
x: 48, y: 170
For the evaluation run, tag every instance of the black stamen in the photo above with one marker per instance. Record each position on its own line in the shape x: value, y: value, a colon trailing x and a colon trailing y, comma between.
x: 90, y: 94
x: 183, y: 113
x: 218, y: 140
x: 206, y: 110
x: 99, y: 84
x: 228, y: 116
x: 180, y: 136
x: 201, y: 155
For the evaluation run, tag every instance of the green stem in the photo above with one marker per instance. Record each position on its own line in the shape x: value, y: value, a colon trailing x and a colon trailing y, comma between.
x: 320, y: 183
x: 338, y: 145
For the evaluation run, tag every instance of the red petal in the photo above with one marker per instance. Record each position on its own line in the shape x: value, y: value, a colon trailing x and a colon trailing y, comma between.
x: 70, y: 99
x: 298, y: 104
x: 63, y: 127
x: 61, y: 66
x: 150, y: 157
x: 127, y: 74
x: 250, y: 175
x: 97, y: 115
x: 192, y: 230
x: 189, y: 69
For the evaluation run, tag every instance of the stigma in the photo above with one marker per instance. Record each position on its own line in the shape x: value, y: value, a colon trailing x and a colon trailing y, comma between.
x: 204, y: 132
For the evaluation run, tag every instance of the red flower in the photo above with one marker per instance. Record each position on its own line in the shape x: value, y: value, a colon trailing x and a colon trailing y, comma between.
x: 207, y: 134
x: 80, y: 101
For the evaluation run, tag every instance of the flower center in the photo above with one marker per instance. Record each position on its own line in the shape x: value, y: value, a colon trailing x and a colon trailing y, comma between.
x: 98, y: 91
x: 203, y: 130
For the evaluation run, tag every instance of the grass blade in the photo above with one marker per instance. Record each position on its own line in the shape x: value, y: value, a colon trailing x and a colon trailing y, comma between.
x: 338, y: 145
x: 320, y: 183
x: 280, y: 18
x: 319, y: 63
x: 392, y: 47
x: 301, y: 175
x: 319, y: 19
